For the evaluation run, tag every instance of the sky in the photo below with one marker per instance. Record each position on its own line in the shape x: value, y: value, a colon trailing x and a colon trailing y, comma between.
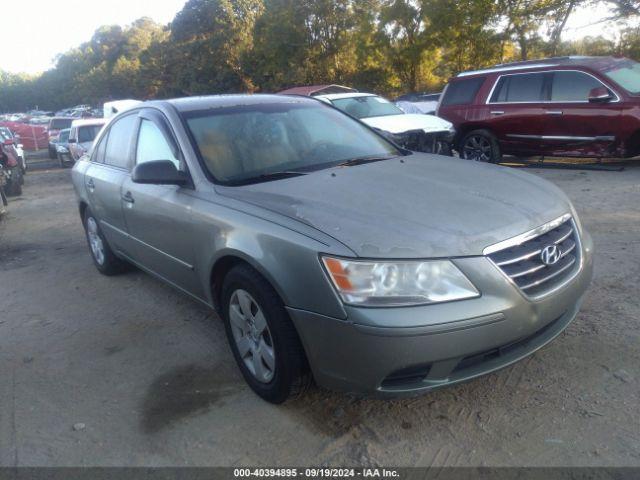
x: 37, y: 30
x: 588, y: 21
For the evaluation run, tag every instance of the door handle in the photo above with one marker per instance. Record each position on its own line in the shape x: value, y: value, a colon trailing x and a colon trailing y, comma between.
x: 554, y: 112
x: 497, y: 112
x: 90, y: 185
x: 127, y: 197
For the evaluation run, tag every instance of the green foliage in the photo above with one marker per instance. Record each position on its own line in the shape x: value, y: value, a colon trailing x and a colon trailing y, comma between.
x: 387, y: 46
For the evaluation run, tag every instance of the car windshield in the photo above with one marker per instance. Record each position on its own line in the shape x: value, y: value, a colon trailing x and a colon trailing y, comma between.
x: 64, y: 136
x: 365, y: 107
x: 60, y: 123
x: 88, y: 132
x: 627, y: 75
x: 249, y: 143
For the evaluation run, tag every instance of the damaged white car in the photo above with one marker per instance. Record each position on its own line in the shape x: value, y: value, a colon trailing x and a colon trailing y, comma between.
x: 417, y: 132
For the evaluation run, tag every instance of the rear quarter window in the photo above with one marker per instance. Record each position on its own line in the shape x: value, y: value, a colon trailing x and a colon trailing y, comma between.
x: 462, y: 92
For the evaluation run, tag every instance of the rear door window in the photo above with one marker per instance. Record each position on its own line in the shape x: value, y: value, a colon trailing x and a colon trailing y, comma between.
x: 572, y: 86
x: 118, y: 148
x: 98, y: 154
x: 528, y: 87
x: 462, y: 92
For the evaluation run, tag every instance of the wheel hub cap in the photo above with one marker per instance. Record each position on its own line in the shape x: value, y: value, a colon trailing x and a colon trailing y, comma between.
x: 252, y: 336
x: 95, y: 242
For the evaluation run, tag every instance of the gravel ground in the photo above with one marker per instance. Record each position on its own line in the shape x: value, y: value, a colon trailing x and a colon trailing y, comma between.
x: 126, y: 371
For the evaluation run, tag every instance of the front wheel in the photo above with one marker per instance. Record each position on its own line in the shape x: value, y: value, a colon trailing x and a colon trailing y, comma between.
x: 480, y: 146
x: 262, y: 337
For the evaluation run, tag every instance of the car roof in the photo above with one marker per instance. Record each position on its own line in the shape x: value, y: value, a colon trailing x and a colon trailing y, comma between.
x: 88, y: 121
x: 338, y: 96
x: 314, y: 90
x: 575, y: 61
x: 189, y: 104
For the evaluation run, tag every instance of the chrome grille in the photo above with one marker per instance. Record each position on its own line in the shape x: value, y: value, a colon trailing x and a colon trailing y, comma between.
x: 521, y: 258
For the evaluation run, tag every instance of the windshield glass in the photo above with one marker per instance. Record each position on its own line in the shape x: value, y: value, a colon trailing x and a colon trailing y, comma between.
x: 365, y: 107
x: 60, y: 123
x: 240, y: 144
x: 64, y: 136
x: 88, y: 132
x: 627, y: 75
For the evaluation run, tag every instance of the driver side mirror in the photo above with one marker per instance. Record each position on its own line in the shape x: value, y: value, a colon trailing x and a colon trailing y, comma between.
x: 71, y: 140
x: 159, y: 172
x: 600, y: 95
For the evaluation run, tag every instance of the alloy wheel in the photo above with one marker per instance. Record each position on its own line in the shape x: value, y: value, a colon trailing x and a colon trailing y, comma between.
x: 95, y: 242
x: 478, y: 148
x: 252, y: 336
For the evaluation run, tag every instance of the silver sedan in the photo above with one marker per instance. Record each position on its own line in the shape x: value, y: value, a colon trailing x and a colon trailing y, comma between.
x: 330, y: 253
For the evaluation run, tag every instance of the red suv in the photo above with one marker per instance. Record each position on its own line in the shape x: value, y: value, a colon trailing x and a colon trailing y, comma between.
x: 568, y: 106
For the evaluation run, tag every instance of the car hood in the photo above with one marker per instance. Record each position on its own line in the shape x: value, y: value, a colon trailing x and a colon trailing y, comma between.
x: 419, y: 206
x: 408, y: 122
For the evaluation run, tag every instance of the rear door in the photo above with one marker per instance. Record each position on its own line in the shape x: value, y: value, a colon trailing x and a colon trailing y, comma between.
x: 514, y: 111
x: 573, y: 126
x: 158, y: 217
x: 103, y: 181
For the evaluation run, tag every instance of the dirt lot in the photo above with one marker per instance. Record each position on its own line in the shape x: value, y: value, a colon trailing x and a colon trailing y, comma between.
x: 125, y: 371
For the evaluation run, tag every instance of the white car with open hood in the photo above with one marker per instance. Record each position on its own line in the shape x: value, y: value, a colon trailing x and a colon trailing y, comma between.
x: 418, y: 132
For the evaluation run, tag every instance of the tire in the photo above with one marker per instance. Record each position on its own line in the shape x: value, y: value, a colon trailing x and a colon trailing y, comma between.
x: 61, y: 162
x: 481, y: 146
x: 287, y: 375
x: 23, y: 166
x: 107, y: 263
x: 52, y: 153
x: 14, y: 186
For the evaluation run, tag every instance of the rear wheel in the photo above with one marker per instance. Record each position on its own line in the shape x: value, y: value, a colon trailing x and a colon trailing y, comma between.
x: 103, y: 257
x: 262, y: 337
x: 480, y: 146
x: 52, y: 153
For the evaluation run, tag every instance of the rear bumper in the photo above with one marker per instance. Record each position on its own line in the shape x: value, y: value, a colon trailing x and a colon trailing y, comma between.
x: 407, y: 351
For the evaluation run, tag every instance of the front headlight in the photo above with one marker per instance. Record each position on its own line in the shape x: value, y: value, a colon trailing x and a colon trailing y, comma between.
x: 61, y: 149
x: 397, y: 283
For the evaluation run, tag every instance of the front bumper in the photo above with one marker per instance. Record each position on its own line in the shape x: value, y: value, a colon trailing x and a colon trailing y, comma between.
x: 392, y: 352
x: 426, y: 142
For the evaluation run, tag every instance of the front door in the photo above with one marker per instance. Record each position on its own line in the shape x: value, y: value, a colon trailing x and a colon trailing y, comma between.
x: 575, y: 127
x: 158, y: 217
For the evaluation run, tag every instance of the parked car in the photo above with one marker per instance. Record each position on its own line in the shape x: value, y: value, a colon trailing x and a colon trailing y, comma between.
x: 55, y: 125
x: 5, y: 134
x: 62, y: 148
x: 417, y: 132
x: 327, y: 250
x: 11, y: 168
x: 424, y: 102
x: 82, y: 134
x: 568, y: 106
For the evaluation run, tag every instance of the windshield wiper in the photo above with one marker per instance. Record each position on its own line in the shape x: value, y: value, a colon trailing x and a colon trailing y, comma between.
x: 267, y: 176
x: 368, y: 159
x: 281, y: 174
